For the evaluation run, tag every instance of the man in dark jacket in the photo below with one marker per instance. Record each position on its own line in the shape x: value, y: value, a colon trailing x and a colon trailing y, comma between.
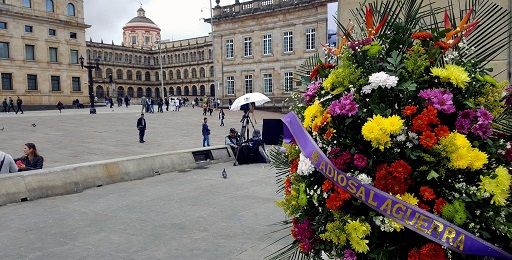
x: 19, y: 102
x: 141, y: 125
x: 206, y: 133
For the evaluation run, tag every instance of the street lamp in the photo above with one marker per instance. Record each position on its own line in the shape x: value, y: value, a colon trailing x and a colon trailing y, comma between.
x: 160, y: 61
x: 213, y: 55
x: 91, y: 80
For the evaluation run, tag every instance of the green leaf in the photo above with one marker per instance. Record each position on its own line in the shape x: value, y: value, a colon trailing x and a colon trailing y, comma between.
x: 432, y: 174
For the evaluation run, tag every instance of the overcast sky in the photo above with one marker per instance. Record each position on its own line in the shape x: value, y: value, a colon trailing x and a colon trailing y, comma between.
x: 177, y: 19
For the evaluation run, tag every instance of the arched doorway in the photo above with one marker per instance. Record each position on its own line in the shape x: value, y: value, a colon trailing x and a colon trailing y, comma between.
x: 165, y: 92
x: 148, y: 92
x: 171, y: 91
x: 212, y: 90
x: 186, y: 91
x: 178, y: 91
x: 194, y: 90
x: 140, y: 92
x: 157, y: 92
x: 130, y: 92
x: 120, y: 91
x: 100, y: 93
x: 202, y: 91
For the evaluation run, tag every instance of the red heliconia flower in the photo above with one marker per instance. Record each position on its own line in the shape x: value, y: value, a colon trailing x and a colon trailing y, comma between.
x: 427, y: 193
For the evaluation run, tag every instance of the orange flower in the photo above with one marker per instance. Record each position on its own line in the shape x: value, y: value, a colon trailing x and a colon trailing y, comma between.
x: 431, y: 114
x: 440, y: 203
x: 327, y: 185
x: 443, y: 45
x: 428, y: 139
x: 421, y: 36
x: 427, y: 193
x: 369, y: 22
x: 409, y: 110
x: 295, y: 166
x: 288, y: 185
x: 442, y: 131
x: 329, y: 133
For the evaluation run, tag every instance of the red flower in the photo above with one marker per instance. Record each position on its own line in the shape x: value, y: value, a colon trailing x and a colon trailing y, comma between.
x: 295, y: 166
x: 414, y: 255
x: 421, y: 36
x: 409, y: 110
x: 423, y: 206
x: 401, y: 168
x: 335, y: 200
x: 442, y: 131
x: 327, y: 185
x: 440, y: 203
x: 428, y: 139
x: 427, y: 193
x: 432, y: 251
x: 431, y: 115
x: 287, y: 185
x: 420, y: 124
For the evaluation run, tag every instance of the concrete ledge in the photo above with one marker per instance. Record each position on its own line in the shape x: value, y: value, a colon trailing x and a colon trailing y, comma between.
x: 31, y: 185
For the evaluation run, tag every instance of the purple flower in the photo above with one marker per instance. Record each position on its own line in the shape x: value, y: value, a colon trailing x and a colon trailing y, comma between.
x: 358, y: 44
x: 467, y: 114
x: 439, y: 99
x: 305, y: 235
x: 360, y: 160
x: 349, y: 255
x: 482, y: 129
x: 484, y: 116
x: 310, y: 95
x: 462, y: 125
x: 345, y: 106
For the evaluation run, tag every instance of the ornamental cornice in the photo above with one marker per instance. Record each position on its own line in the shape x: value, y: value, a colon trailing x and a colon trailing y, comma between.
x: 44, y: 20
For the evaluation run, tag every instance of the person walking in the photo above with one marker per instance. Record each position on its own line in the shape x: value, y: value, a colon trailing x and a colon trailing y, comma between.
x: 160, y: 105
x: 19, y: 102
x: 143, y: 102
x: 166, y: 103
x: 10, y: 104
x: 141, y: 126
x: 111, y: 101
x: 4, y: 104
x: 177, y: 105
x: 205, y: 107
x: 127, y: 101
x: 31, y: 159
x: 7, y: 164
x: 221, y: 117
x: 60, y: 106
x: 206, y: 133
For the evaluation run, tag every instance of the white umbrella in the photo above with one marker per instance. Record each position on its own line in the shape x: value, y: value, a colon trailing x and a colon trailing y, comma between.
x: 255, y: 97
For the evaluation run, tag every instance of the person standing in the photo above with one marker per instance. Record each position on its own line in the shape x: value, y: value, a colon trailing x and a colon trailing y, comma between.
x: 111, y: 101
x: 31, y: 159
x: 221, y: 117
x: 60, y: 106
x: 206, y: 133
x: 4, y: 104
x: 205, y: 106
x: 143, y: 103
x: 7, y: 164
x: 166, y: 103
x: 160, y: 105
x: 10, y: 104
x: 177, y: 104
x: 127, y: 101
x: 141, y: 126
x: 19, y: 102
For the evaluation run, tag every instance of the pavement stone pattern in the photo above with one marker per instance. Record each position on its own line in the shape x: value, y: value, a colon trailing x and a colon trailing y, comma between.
x: 75, y: 136
x: 193, y: 214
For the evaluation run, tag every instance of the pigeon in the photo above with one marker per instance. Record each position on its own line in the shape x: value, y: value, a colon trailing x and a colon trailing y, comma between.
x: 34, y: 125
x: 2, y: 128
x: 224, y: 174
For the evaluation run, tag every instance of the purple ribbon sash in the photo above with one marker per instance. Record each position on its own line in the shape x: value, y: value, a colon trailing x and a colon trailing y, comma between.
x: 422, y: 222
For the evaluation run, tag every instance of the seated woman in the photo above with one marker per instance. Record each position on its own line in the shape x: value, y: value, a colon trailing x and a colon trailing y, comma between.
x: 259, y: 155
x: 31, y: 160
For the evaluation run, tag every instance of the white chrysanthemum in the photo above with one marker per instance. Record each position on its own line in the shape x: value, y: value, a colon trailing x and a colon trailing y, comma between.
x: 364, y: 179
x: 381, y: 79
x: 305, y: 166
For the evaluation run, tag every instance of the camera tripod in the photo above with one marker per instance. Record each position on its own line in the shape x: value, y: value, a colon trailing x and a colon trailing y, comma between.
x: 244, y: 131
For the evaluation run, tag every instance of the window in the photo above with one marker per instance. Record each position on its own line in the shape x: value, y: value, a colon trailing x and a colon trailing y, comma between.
x: 288, y: 81
x: 267, y: 44
x: 147, y: 39
x: 29, y: 28
x: 138, y: 75
x: 310, y: 39
x: 73, y: 56
x: 134, y: 39
x: 147, y: 76
x: 53, y: 54
x: 29, y: 52
x: 3, y: 25
x: 75, y: 83
x: 26, y: 3
x: 55, y: 83
x: 248, y: 83
x: 72, y: 35
x: 6, y: 81
x: 71, y: 10
x: 32, y: 82
x: 288, y: 41
x: 49, y: 6
x: 119, y: 74
x: 230, y: 82
x: 4, y: 50
x: 129, y: 75
x: 52, y: 32
x: 229, y: 49
x: 267, y: 83
x: 247, y: 46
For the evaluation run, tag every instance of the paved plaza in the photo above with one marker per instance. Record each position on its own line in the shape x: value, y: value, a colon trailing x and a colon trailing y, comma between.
x: 193, y: 214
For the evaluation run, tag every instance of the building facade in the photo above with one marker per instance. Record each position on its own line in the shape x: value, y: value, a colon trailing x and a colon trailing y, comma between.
x: 40, y: 46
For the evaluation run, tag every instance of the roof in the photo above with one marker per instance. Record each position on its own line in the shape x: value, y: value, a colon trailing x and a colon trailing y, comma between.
x: 141, y: 19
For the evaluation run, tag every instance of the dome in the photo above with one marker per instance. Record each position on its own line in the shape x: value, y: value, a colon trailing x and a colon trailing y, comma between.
x: 141, y: 19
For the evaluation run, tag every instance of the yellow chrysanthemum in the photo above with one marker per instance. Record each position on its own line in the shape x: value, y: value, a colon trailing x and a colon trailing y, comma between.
x: 457, y: 75
x: 460, y: 159
x: 409, y: 198
x: 394, y: 124
x: 356, y: 231
x: 499, y: 187
x: 478, y: 159
x: 312, y: 113
x: 461, y: 141
x: 378, y: 129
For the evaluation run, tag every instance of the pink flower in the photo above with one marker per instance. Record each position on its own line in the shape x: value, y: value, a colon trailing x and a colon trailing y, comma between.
x: 344, y: 107
x: 360, y: 160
